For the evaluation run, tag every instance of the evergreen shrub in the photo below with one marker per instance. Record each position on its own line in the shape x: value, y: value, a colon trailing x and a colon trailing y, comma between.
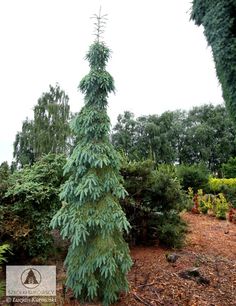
x: 229, y: 168
x: 194, y: 176
x: 154, y: 203
x: 32, y: 198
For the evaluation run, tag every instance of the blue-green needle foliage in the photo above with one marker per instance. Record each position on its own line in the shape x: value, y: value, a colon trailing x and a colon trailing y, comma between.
x: 91, y: 217
x: 218, y: 17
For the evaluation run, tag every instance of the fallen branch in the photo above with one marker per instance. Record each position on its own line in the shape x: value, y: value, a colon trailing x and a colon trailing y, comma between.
x: 154, y: 290
x: 142, y: 300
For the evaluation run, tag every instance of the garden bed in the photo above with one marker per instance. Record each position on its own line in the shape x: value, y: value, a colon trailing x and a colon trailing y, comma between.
x: 210, y: 249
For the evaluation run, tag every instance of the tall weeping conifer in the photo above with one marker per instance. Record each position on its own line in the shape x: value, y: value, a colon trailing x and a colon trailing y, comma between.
x: 91, y: 217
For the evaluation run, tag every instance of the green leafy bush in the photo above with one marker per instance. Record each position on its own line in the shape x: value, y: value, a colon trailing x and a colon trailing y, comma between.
x: 227, y: 186
x: 29, y: 204
x: 203, y: 208
x: 154, y: 202
x: 216, y: 204
x: 230, y: 194
x: 194, y: 176
x: 216, y: 184
x: 204, y: 201
x: 229, y: 168
x: 222, y: 206
x: 205, y: 205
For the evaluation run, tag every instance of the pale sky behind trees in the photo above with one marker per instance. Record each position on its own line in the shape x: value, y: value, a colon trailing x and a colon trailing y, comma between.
x: 160, y: 59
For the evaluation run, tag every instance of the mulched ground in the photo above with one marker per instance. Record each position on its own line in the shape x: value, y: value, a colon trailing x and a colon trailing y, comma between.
x: 210, y: 247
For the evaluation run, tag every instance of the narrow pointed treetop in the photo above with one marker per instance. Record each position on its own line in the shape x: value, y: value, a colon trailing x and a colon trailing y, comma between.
x: 91, y: 217
x: 100, y: 22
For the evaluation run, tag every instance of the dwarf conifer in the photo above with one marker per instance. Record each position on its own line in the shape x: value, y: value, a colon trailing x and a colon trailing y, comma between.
x: 91, y: 217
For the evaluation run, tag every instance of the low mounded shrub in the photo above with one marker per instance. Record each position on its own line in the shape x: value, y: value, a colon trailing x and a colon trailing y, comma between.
x: 194, y: 176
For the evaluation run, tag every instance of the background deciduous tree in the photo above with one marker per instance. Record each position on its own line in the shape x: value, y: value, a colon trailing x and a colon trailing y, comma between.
x: 209, y: 137
x: 205, y: 134
x: 123, y: 136
x: 24, y: 144
x: 48, y: 132
x: 4, y: 177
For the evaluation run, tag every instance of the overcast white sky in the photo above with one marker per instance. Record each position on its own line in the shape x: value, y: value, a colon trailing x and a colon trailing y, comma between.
x: 160, y: 59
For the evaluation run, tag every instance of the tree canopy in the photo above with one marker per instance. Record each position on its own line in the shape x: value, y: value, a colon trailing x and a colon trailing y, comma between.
x: 178, y: 137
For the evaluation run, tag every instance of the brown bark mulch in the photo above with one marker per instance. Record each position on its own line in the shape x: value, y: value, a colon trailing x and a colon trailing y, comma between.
x: 210, y: 251
x: 210, y: 248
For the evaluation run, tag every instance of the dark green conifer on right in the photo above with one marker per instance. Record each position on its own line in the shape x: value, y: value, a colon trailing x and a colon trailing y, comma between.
x: 218, y: 17
x: 91, y: 216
